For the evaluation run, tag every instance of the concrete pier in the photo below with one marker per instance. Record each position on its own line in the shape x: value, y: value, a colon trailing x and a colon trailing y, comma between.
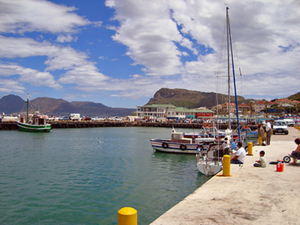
x: 252, y: 195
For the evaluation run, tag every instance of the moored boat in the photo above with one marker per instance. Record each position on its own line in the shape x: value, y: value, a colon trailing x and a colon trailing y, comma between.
x: 212, y: 163
x: 179, y: 144
x: 246, y: 131
x: 36, y: 123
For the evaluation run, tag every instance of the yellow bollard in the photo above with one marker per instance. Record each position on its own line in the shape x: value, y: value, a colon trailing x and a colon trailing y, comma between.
x: 260, y: 141
x: 127, y: 216
x: 250, y: 148
x: 226, y: 165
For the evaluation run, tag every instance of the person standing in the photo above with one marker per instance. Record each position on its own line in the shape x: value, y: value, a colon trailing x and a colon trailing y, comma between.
x: 268, y: 130
x: 261, y: 133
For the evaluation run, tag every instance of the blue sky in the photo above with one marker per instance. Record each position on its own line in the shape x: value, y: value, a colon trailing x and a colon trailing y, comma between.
x: 120, y: 52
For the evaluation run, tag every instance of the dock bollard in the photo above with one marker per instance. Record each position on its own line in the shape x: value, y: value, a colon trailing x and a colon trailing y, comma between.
x: 127, y: 216
x: 260, y: 141
x: 250, y: 148
x: 226, y: 165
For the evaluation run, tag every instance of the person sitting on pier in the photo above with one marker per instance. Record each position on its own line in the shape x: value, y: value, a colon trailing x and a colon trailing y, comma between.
x: 296, y: 154
x: 262, y: 160
x: 239, y: 156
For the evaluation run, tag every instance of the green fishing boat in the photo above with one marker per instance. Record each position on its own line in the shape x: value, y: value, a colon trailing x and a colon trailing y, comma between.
x: 36, y: 123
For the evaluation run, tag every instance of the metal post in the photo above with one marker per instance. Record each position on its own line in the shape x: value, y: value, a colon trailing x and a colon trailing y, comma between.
x: 127, y: 216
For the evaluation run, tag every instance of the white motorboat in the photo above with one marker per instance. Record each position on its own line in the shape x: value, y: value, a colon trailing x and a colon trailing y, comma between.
x: 179, y: 144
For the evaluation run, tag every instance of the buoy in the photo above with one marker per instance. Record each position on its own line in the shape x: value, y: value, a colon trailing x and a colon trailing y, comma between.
x: 127, y: 216
x: 226, y: 165
x: 250, y: 148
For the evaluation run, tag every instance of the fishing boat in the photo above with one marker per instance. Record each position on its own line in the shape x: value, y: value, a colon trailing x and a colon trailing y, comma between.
x: 180, y: 144
x: 211, y: 162
x: 35, y: 123
x: 246, y: 131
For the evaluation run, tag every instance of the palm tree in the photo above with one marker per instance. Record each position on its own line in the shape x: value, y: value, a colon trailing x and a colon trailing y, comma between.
x: 266, y: 106
x: 251, y: 108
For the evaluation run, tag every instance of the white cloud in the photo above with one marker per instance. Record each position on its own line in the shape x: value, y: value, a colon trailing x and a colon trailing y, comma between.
x: 79, y: 70
x: 168, y: 39
x: 85, y: 77
x: 27, y: 75
x: 153, y: 30
x: 65, y: 38
x: 8, y: 85
x: 19, y: 16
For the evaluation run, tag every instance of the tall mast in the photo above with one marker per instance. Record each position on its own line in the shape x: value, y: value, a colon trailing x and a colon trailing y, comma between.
x: 228, y: 65
x: 27, y: 108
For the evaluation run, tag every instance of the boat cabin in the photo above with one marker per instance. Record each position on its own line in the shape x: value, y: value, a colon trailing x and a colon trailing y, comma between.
x: 178, y: 137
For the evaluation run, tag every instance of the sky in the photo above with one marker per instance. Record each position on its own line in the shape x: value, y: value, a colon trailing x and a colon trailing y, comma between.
x: 121, y: 52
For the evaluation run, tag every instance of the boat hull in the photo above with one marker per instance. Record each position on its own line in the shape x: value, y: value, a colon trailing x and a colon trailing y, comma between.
x: 209, y: 168
x: 173, y: 147
x: 34, y: 128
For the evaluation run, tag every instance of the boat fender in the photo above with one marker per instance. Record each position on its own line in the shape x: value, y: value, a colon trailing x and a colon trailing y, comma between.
x: 165, y: 145
x: 182, y: 147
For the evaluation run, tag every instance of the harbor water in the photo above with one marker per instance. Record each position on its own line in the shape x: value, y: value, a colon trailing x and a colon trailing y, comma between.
x: 84, y: 176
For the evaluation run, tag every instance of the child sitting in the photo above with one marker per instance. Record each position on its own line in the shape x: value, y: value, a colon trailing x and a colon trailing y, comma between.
x: 262, y: 161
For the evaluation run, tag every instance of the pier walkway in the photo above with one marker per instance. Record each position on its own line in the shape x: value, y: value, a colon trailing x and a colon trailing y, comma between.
x: 251, y: 195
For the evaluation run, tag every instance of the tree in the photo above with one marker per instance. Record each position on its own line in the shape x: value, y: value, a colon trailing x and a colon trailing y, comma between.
x: 251, y: 108
x: 266, y: 106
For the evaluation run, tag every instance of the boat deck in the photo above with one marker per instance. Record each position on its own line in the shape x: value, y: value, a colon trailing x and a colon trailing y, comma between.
x: 251, y: 195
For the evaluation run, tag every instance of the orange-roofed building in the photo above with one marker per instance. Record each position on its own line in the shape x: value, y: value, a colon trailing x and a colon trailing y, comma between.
x: 244, y: 107
x: 260, y: 105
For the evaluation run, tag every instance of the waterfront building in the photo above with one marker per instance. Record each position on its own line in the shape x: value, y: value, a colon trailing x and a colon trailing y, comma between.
x: 184, y: 113
x: 167, y: 111
x: 154, y: 112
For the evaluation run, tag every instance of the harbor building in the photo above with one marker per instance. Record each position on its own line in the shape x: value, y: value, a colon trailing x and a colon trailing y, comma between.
x: 168, y: 111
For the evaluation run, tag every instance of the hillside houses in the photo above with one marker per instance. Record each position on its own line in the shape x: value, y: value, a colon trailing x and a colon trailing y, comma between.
x: 280, y: 104
x: 162, y: 112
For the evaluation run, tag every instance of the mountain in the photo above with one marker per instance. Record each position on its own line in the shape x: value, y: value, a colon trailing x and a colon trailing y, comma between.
x: 295, y: 97
x: 191, y: 99
x: 12, y: 104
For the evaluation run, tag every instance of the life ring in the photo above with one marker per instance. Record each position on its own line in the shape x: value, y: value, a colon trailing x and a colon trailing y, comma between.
x: 165, y: 145
x: 182, y: 147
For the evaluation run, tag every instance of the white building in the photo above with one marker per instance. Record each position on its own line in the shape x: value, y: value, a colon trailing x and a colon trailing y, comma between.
x: 164, y: 112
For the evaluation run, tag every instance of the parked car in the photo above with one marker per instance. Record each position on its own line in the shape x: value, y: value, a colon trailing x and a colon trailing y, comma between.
x: 280, y: 127
x: 290, y: 122
x: 64, y: 118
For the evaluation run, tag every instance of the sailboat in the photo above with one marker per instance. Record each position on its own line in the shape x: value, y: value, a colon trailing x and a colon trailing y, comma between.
x: 211, y: 163
x: 37, y: 123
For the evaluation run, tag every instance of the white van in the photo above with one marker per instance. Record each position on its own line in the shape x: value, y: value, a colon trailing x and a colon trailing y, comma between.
x: 75, y: 116
x: 289, y: 122
x: 280, y: 127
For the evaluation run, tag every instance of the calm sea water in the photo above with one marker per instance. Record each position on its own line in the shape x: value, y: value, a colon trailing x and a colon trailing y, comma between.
x: 84, y: 176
